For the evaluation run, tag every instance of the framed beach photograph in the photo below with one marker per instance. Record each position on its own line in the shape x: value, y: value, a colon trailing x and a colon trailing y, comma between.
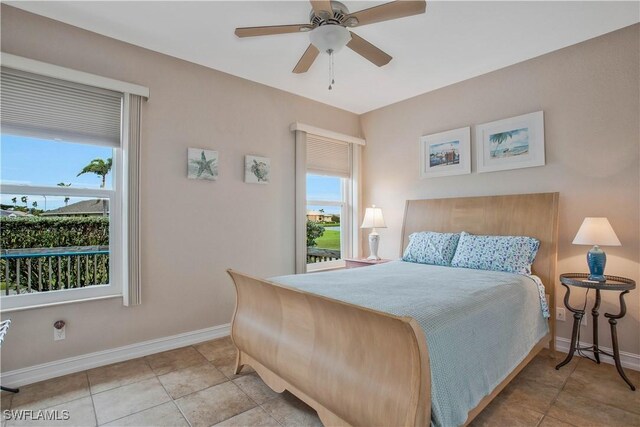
x: 257, y: 170
x: 202, y: 164
x: 512, y: 143
x: 446, y: 153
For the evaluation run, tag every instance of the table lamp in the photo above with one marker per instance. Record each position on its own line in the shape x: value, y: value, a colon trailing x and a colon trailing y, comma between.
x: 373, y: 219
x: 596, y: 232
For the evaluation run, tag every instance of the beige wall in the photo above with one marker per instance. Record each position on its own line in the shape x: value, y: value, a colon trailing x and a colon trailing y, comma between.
x: 590, y: 95
x: 191, y: 230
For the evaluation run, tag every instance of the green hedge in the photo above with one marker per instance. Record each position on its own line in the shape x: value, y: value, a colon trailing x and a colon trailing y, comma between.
x: 51, y: 232
x: 50, y: 273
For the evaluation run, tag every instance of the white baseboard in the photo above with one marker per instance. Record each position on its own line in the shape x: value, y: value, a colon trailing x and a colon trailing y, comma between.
x: 628, y: 360
x: 45, y: 371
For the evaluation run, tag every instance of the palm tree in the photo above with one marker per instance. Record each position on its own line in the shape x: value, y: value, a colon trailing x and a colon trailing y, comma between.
x: 14, y: 200
x: 100, y: 167
x: 66, y: 198
x: 501, y: 137
x: 34, y: 204
x: 24, y: 200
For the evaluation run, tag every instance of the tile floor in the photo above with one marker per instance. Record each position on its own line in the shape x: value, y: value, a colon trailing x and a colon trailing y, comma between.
x: 195, y: 386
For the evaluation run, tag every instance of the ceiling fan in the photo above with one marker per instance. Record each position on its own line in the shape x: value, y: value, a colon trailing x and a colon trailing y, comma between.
x: 328, y: 25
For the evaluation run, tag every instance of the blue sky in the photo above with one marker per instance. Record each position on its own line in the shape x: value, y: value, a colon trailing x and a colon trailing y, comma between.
x: 40, y: 162
x: 327, y: 188
x: 445, y: 146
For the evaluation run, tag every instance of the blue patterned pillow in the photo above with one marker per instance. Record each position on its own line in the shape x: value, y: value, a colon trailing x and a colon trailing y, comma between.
x: 428, y: 247
x: 513, y: 254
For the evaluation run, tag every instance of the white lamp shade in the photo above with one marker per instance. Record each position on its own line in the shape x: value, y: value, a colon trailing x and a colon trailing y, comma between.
x: 596, y: 231
x: 373, y: 218
x: 329, y: 37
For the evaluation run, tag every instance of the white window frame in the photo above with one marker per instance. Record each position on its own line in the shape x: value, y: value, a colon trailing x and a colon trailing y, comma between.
x: 350, y: 243
x: 116, y: 222
x: 117, y: 195
x: 345, y: 225
x: 49, y: 70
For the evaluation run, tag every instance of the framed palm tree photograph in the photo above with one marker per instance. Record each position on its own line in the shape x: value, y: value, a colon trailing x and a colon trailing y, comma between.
x: 202, y: 164
x: 513, y: 143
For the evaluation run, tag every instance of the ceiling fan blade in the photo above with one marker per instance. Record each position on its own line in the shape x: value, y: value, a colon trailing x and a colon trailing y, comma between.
x: 388, y: 11
x: 271, y: 30
x: 368, y: 51
x: 322, y: 6
x: 306, y: 60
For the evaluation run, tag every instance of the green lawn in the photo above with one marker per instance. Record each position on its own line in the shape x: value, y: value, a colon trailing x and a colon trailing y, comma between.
x: 329, y: 240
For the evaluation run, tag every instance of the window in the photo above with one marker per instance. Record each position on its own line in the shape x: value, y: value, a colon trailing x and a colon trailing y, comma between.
x: 327, y: 205
x: 66, y: 160
x: 58, y: 225
x: 326, y: 200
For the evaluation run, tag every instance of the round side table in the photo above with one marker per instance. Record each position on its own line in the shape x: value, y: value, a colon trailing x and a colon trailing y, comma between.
x: 612, y: 283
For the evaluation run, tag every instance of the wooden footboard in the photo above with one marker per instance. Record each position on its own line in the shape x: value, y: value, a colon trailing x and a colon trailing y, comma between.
x: 353, y: 365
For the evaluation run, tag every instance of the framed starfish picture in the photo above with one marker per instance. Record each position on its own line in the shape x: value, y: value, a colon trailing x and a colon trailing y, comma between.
x: 202, y: 164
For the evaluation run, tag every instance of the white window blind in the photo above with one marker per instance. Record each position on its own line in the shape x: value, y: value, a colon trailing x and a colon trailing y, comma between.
x: 49, y: 108
x: 328, y: 157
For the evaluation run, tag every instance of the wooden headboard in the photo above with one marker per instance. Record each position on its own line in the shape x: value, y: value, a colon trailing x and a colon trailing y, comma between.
x: 533, y: 215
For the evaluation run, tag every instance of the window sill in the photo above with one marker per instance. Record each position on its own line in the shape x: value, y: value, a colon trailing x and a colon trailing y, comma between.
x: 324, y: 270
x: 57, y: 303
x: 331, y: 265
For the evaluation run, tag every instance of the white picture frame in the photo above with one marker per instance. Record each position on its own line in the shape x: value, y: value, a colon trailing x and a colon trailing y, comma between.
x: 257, y: 170
x: 513, y: 143
x: 446, y: 153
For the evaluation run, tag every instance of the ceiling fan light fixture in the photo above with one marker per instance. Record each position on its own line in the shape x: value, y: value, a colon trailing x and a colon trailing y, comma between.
x: 330, y: 37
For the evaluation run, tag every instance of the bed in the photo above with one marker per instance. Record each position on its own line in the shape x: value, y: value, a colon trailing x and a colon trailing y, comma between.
x: 358, y: 359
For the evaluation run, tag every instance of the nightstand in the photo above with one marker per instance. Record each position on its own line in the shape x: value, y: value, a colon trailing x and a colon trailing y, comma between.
x: 612, y: 283
x: 363, y: 262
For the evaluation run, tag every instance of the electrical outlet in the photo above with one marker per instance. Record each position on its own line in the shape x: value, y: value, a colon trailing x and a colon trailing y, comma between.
x: 59, y: 333
x: 561, y: 314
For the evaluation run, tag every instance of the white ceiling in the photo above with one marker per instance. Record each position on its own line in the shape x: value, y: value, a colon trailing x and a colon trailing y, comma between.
x: 453, y: 41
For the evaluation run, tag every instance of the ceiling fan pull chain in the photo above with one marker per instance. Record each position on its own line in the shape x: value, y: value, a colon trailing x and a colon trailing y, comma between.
x: 331, y: 72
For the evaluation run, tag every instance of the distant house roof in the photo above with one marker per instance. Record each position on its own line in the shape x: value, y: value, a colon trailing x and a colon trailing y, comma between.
x: 318, y: 213
x: 10, y: 212
x: 85, y: 207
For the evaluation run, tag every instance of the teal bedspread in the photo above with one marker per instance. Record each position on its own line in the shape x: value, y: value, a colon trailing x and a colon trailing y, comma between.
x: 479, y: 325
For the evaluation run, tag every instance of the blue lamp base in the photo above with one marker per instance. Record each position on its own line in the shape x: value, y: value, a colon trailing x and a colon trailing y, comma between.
x: 596, y: 259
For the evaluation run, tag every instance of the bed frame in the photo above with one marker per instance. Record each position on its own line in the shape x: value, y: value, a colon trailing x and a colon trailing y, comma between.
x: 357, y: 366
